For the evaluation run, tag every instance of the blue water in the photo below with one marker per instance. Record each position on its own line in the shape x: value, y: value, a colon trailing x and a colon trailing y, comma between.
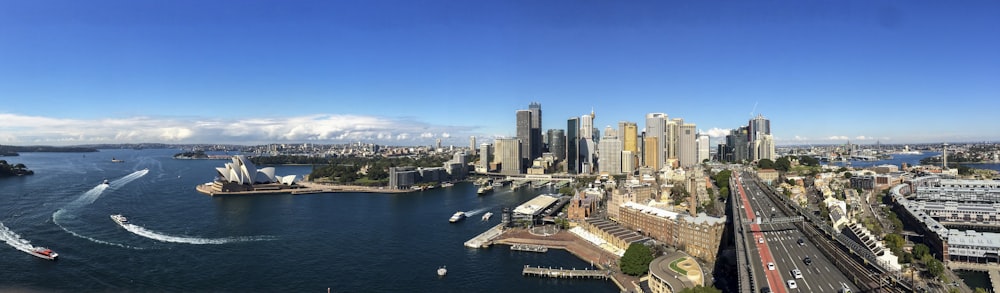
x: 898, y: 160
x: 187, y: 241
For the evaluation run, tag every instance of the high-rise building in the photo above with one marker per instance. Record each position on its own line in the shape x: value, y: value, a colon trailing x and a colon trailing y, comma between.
x: 651, y: 157
x: 557, y: 143
x: 759, y: 130
x: 524, y: 134
x: 737, y: 146
x: 703, y: 141
x: 609, y: 160
x: 572, y: 145
x: 628, y: 162
x: 587, y: 126
x: 508, y: 153
x: 687, y: 146
x: 766, y: 148
x: 485, y: 158
x: 759, y: 126
x: 535, y: 137
x: 472, y: 145
x: 656, y: 124
x: 628, y: 133
x: 673, y: 133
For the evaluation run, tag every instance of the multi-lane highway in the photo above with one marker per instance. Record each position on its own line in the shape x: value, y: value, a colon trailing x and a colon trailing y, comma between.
x: 784, y: 246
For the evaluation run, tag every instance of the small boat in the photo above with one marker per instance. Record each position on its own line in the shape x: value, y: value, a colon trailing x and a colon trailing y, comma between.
x: 486, y: 216
x: 485, y: 189
x: 45, y: 253
x: 106, y: 182
x: 118, y: 218
x: 458, y: 216
x: 114, y: 160
x: 442, y: 271
x: 447, y: 184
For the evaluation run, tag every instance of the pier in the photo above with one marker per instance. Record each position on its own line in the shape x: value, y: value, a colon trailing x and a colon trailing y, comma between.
x: 565, y: 273
x: 486, y: 238
x: 529, y: 248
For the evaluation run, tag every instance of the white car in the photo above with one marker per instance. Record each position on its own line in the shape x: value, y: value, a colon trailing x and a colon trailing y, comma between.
x: 792, y: 285
x: 797, y: 273
x: 770, y: 266
x: 760, y: 240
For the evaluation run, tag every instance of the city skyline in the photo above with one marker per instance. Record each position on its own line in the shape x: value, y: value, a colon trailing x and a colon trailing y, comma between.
x: 409, y: 74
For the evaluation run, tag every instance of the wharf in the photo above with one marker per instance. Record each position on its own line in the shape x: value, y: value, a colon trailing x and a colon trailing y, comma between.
x: 992, y: 269
x: 565, y: 273
x: 529, y: 248
x: 486, y: 238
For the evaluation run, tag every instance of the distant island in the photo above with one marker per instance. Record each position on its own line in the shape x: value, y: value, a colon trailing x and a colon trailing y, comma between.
x: 191, y: 155
x: 18, y: 169
x: 10, y: 150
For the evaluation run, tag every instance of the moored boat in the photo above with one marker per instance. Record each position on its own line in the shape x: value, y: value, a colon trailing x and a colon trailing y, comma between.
x: 45, y: 253
x: 458, y: 216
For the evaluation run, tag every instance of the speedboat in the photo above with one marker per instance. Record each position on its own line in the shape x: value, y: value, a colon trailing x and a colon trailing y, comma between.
x: 442, y: 271
x: 457, y: 217
x: 487, y: 215
x: 115, y: 160
x: 106, y: 182
x: 118, y: 218
x: 45, y: 253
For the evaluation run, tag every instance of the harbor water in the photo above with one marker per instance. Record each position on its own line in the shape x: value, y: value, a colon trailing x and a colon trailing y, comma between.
x: 182, y: 240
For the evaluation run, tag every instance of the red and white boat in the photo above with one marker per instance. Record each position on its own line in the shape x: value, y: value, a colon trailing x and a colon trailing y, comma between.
x: 43, y: 252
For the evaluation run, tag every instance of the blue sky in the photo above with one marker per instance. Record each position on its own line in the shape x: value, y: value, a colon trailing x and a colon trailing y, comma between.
x: 409, y: 72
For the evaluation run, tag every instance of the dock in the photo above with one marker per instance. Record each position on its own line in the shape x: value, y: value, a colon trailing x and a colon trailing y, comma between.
x: 993, y: 270
x: 529, y: 248
x: 486, y: 238
x: 564, y: 273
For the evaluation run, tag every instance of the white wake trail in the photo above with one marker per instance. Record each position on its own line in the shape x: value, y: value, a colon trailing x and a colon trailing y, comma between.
x: 15, y: 240
x: 137, y: 230
x: 89, y: 197
x: 476, y: 211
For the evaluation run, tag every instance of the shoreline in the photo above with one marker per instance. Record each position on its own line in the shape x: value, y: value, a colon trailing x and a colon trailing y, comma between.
x: 305, y: 188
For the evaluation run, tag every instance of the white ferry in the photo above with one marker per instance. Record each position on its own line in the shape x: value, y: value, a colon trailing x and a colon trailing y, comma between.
x: 121, y: 220
x: 486, y: 216
x: 457, y: 217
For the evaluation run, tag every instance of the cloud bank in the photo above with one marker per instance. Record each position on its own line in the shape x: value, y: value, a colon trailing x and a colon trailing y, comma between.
x: 324, y: 128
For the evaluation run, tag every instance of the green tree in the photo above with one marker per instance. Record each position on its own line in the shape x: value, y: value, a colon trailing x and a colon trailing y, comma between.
x: 848, y: 175
x: 935, y: 268
x: 980, y: 290
x: 894, y: 242
x: 568, y: 191
x: 783, y: 164
x: 920, y: 250
x: 765, y: 164
x: 701, y: 289
x: 635, y: 261
x: 808, y: 161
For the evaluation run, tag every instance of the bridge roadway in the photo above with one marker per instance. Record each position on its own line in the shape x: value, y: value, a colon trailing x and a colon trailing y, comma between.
x: 780, y: 246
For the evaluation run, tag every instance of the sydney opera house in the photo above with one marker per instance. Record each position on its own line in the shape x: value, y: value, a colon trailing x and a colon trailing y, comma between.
x: 241, y: 176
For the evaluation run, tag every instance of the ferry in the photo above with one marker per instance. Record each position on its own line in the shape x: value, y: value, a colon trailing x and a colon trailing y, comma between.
x: 442, y: 271
x: 118, y: 218
x: 447, y: 184
x: 106, y: 182
x: 43, y: 252
x: 486, y: 217
x: 457, y: 217
x: 485, y: 189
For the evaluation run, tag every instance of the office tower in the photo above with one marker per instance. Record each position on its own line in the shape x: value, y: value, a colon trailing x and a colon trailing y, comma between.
x: 438, y: 143
x: 524, y: 134
x: 656, y: 124
x: 651, y: 158
x: 572, y: 145
x: 609, y: 160
x: 757, y: 129
x: 472, y: 146
x: 508, y: 153
x: 765, y: 149
x: 485, y: 156
x: 535, y: 137
x: 944, y: 156
x: 587, y: 126
x: 557, y: 143
x: 628, y: 162
x: 759, y: 126
x: 737, y: 144
x: 628, y: 133
x: 588, y: 148
x: 687, y: 146
x: 703, y: 141
x: 673, y: 133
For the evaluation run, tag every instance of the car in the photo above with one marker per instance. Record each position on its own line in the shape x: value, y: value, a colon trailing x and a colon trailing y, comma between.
x: 792, y: 285
x: 760, y: 240
x: 808, y: 261
x: 770, y: 266
x: 765, y: 290
x: 801, y: 242
x: 797, y: 273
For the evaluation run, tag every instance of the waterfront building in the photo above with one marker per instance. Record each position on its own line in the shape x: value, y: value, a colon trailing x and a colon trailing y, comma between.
x: 698, y: 235
x: 485, y: 158
x: 572, y: 145
x: 687, y: 145
x: 531, y: 211
x: 610, y: 156
x: 581, y: 206
x: 703, y: 142
x: 535, y: 136
x: 402, y: 177
x: 524, y: 134
x: 612, y: 233
x: 508, y: 154
x: 557, y: 143
x: 240, y: 174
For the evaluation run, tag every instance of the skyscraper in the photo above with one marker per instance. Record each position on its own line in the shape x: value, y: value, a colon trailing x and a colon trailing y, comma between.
x: 651, y: 157
x: 508, y: 153
x: 609, y: 160
x: 628, y: 132
x: 759, y: 139
x: 557, y: 143
x: 524, y: 134
x: 687, y: 146
x: 656, y: 124
x: 572, y: 145
x: 485, y: 156
x: 535, y: 137
x: 587, y: 126
x: 759, y: 126
x: 472, y: 145
x: 703, y: 141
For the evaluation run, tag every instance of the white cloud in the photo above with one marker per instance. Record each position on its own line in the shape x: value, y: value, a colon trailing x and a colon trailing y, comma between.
x: 331, y: 128
x: 716, y: 132
x: 841, y: 137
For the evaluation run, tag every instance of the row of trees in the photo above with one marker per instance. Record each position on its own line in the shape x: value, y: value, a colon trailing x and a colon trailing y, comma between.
x: 348, y: 170
x: 785, y: 163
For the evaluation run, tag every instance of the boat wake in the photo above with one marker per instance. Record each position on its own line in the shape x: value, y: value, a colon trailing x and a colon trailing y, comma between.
x: 476, y: 211
x: 15, y: 240
x: 68, y: 212
x: 137, y: 230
